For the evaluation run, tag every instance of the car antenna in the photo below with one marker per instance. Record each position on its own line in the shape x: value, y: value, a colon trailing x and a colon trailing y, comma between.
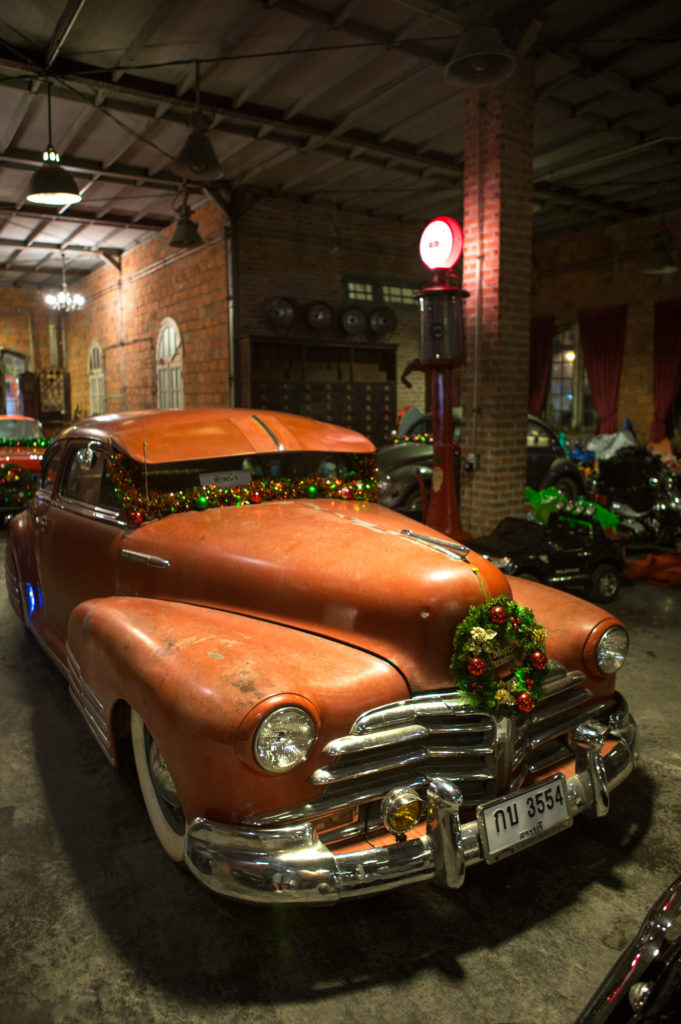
x: 144, y: 450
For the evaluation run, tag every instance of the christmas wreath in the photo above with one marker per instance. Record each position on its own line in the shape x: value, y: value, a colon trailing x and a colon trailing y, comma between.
x: 495, y: 634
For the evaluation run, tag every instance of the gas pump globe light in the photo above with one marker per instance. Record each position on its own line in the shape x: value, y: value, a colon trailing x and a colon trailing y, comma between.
x: 441, y: 243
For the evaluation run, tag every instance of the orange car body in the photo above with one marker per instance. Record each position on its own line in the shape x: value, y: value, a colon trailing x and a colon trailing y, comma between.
x: 203, y: 621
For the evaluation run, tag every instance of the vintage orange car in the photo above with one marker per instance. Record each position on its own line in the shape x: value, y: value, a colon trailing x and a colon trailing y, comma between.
x: 21, y: 448
x: 322, y: 701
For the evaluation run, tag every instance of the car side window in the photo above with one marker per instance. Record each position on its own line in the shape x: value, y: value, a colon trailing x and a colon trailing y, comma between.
x: 538, y: 437
x: 88, y: 478
x: 49, y: 467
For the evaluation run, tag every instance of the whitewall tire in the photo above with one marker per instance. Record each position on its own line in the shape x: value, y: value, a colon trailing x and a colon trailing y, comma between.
x: 158, y: 791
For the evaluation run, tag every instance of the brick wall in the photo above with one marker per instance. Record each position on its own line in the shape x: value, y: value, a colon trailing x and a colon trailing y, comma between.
x: 497, y: 272
x: 304, y: 252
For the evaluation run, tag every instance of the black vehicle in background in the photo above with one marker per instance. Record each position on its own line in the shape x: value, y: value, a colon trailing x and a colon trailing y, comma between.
x: 400, y: 464
x: 571, y: 552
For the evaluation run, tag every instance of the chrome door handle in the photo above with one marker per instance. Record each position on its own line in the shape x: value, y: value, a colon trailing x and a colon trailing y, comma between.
x: 41, y: 523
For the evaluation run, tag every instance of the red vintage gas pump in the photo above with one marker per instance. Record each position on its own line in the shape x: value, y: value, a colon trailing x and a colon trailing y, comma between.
x: 442, y: 351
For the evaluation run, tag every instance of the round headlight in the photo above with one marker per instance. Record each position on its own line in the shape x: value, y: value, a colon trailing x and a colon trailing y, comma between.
x: 611, y: 650
x: 283, y: 739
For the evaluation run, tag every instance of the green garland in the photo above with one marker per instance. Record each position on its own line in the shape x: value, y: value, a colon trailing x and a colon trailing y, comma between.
x: 360, y: 485
x: 25, y: 442
x: 17, y: 486
x: 422, y: 439
x: 493, y: 634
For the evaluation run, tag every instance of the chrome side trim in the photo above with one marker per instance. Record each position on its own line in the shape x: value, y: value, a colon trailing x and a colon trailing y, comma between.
x: 145, y: 559
x: 449, y: 547
x: 271, y: 433
x: 90, y: 707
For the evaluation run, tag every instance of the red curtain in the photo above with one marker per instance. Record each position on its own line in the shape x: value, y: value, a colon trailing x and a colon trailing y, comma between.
x: 541, y: 343
x: 667, y: 364
x: 602, y: 334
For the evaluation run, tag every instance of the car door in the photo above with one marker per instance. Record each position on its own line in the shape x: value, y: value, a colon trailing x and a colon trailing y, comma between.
x: 79, y: 531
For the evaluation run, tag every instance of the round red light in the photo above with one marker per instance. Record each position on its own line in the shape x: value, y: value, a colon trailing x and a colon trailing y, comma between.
x: 441, y: 243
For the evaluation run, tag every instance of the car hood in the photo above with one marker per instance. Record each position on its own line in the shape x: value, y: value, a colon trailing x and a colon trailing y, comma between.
x: 349, y: 571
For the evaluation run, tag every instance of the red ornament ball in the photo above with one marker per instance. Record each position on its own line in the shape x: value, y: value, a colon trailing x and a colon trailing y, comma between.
x: 498, y: 615
x: 524, y: 702
x: 538, y: 660
x: 477, y: 666
x: 137, y: 518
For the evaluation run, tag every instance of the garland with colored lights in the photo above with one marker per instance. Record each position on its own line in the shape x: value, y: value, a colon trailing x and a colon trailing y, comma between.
x: 128, y: 479
x: 423, y: 439
x: 26, y: 442
x: 495, y: 633
x: 17, y: 486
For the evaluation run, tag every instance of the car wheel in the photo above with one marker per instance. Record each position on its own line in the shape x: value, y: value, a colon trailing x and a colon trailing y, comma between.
x: 567, y: 487
x: 605, y: 584
x: 158, y: 791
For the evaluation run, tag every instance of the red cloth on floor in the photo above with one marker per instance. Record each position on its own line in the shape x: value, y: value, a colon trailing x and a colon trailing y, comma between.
x: 664, y: 570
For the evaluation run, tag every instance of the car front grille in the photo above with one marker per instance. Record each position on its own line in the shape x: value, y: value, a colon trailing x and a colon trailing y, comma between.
x: 437, y: 734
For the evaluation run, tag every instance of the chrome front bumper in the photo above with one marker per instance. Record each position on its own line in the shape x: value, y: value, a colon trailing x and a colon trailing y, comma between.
x: 291, y: 864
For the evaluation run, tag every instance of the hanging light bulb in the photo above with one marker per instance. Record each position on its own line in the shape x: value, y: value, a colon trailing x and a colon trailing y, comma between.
x: 50, y: 184
x: 64, y: 301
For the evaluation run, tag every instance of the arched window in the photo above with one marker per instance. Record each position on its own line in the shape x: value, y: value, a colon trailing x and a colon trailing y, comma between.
x: 95, y: 369
x: 169, y: 366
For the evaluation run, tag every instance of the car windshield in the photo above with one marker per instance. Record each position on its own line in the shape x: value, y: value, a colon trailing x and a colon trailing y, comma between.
x: 240, y: 471
x: 20, y: 430
x: 157, y: 490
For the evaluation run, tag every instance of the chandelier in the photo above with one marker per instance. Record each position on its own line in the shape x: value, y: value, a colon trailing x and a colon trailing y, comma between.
x: 64, y: 301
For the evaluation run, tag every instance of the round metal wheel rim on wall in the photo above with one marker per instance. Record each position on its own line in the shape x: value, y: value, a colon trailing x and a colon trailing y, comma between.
x: 158, y: 791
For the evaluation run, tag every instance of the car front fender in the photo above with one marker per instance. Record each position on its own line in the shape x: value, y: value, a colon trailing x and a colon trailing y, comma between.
x: 573, y: 629
x: 202, y: 679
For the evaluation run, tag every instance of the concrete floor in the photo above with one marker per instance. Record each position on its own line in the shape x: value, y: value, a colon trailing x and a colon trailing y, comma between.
x: 97, y: 926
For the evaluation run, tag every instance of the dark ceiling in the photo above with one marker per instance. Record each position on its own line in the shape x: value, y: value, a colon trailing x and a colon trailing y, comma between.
x: 331, y: 101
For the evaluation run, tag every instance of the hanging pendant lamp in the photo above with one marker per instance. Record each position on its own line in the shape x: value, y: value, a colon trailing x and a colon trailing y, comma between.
x: 64, y: 301
x: 197, y: 160
x: 50, y: 184
x: 186, y: 233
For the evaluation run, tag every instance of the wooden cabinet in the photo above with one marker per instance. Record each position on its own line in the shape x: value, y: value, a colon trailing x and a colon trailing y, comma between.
x: 353, y: 385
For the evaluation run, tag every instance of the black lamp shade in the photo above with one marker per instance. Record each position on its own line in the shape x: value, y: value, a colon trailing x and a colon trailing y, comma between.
x: 480, y: 58
x: 186, y: 233
x: 197, y: 160
x: 52, y: 186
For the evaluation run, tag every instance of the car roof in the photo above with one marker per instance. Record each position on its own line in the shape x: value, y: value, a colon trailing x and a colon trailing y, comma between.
x: 180, y: 435
x: 9, y: 416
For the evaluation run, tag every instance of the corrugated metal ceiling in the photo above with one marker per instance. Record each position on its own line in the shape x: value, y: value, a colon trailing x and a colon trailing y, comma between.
x: 334, y: 102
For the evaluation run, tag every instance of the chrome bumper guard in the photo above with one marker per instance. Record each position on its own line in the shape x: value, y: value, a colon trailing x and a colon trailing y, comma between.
x: 292, y: 865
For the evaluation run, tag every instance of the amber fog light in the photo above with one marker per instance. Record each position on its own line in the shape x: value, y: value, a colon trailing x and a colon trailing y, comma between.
x: 611, y: 650
x: 401, y: 810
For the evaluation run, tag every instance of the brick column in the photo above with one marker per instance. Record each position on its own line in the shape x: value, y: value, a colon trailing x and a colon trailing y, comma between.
x: 497, y: 273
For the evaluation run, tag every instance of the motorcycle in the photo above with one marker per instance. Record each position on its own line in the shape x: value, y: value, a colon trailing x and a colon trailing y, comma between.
x: 644, y: 495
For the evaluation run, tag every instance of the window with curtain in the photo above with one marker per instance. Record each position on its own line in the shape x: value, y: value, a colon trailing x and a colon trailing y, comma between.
x: 95, y: 370
x: 169, y: 369
x: 569, y: 403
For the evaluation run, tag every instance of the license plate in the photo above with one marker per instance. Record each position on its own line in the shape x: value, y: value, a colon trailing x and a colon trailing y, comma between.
x: 523, y: 818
